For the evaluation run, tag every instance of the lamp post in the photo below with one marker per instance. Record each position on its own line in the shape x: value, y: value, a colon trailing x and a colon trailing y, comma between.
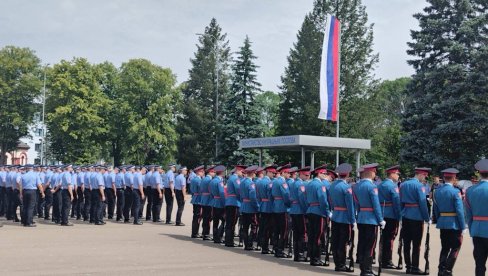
x: 43, y: 140
x: 217, y: 67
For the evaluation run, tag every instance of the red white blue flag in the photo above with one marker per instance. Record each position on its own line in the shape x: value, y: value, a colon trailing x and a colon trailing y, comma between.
x: 329, y: 70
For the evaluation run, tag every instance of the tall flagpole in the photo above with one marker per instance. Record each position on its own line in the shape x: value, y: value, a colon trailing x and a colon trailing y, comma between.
x: 338, y: 95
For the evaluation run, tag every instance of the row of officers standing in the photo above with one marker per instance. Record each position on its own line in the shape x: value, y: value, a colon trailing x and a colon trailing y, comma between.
x: 265, y: 200
x: 91, y: 193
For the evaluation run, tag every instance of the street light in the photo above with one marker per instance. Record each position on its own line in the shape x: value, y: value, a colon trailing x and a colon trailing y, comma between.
x: 217, y: 67
x: 43, y: 141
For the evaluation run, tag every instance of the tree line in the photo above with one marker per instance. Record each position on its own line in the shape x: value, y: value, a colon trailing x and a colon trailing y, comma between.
x: 138, y: 113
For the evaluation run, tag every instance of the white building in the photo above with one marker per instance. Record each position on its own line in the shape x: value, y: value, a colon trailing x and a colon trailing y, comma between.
x: 34, y: 140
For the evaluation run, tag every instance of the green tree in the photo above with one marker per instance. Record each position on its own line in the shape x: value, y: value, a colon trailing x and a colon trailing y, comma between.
x: 149, y: 101
x: 240, y: 117
x: 198, y: 125
x: 446, y: 123
x: 20, y: 85
x: 300, y: 83
x: 268, y: 104
x: 75, y: 109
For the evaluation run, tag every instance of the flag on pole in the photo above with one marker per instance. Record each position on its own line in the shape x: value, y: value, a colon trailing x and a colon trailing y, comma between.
x: 329, y: 70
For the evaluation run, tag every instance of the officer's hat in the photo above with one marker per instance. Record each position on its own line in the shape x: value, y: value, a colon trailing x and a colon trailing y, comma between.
x: 321, y: 169
x: 172, y: 165
x: 332, y: 174
x: 271, y: 168
x: 239, y: 167
x: 482, y: 166
x: 219, y: 168
x: 305, y: 171
x: 259, y: 170
x: 394, y: 169
x: 343, y: 169
x: 451, y: 172
x: 182, y: 168
x: 370, y: 167
x: 199, y: 168
x: 293, y: 169
x: 251, y: 169
x: 29, y: 166
x: 284, y: 169
x: 423, y: 171
x: 211, y: 169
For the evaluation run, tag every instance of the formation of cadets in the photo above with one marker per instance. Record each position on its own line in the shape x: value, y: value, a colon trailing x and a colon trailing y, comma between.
x: 91, y: 193
x: 325, y: 208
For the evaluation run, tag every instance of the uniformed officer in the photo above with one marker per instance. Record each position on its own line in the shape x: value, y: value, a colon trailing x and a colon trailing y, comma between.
x: 87, y: 194
x: 206, y: 202
x: 57, y: 196
x: 343, y: 218
x: 66, y: 194
x: 129, y: 181
x: 137, y: 193
x: 149, y: 184
x: 3, y: 191
x: 98, y: 195
x: 414, y: 212
x: 249, y: 208
x: 157, y: 193
x: 119, y: 188
x: 169, y: 193
x: 389, y: 197
x: 281, y: 201
x: 74, y: 184
x: 297, y: 212
x: 369, y: 217
x: 48, y: 196
x: 15, y: 180
x: 232, y: 204
x: 448, y: 208
x: 318, y: 208
x: 40, y: 199
x: 9, y: 193
x: 265, y: 200
x: 80, y: 192
x: 196, y: 201
x: 218, y: 203
x: 477, y: 216
x: 30, y: 183
x: 180, y: 193
x: 109, y: 179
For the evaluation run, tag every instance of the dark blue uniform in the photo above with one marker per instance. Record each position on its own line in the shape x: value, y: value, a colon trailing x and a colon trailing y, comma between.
x: 389, y: 196
x: 205, y: 201
x: 265, y: 200
x: 232, y: 204
x: 249, y: 210
x: 218, y: 204
x: 196, y: 201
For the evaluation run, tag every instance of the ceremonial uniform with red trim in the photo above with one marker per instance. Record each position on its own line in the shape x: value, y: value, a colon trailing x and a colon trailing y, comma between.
x: 318, y: 208
x: 249, y: 210
x: 218, y: 211
x: 232, y: 204
x: 389, y: 197
x: 477, y: 219
x: 281, y: 201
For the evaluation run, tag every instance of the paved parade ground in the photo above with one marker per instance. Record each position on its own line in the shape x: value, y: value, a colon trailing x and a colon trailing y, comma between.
x: 156, y: 249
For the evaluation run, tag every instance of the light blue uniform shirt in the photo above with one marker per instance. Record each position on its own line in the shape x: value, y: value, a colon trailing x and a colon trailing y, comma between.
x: 65, y: 180
x: 100, y: 181
x: 8, y: 183
x: 138, y: 180
x: 156, y: 180
x: 94, y: 180
x: 170, y: 177
x: 129, y: 179
x: 148, y: 180
x: 87, y: 181
x: 81, y: 178
x: 16, y: 178
x: 3, y: 176
x: 180, y: 182
x: 48, y: 179
x: 42, y: 176
x: 30, y: 180
x: 119, y: 180
x: 74, y: 179
x: 109, y: 178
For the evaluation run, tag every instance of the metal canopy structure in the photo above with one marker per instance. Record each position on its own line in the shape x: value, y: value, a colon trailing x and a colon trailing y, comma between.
x: 306, y: 143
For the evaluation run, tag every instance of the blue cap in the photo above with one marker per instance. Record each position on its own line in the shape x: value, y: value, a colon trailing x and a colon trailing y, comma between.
x: 343, y: 169
x: 482, y: 166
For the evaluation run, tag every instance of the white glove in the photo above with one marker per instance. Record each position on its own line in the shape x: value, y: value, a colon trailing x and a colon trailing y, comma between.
x: 430, y: 222
x: 354, y: 226
x: 383, y: 224
x: 330, y: 215
x: 465, y: 231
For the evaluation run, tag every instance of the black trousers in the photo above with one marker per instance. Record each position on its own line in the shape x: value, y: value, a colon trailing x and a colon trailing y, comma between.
x: 366, y: 244
x: 315, y: 231
x: 74, y: 203
x: 389, y: 234
x: 412, y: 232
x: 3, y: 201
x: 156, y: 204
x: 150, y: 200
x: 80, y: 202
x: 218, y: 224
x: 9, y: 213
x: 231, y: 215
x: 65, y: 206
x: 480, y: 254
x: 298, y: 226
x: 48, y: 202
x: 110, y: 195
x: 451, y: 241
x: 136, y: 204
x: 143, y: 202
x: 168, y: 196
x: 128, y: 203
x: 40, y: 204
x: 56, y: 217
x: 29, y: 203
x: 280, y: 232
x: 266, y: 229
x: 197, y: 217
x: 120, y: 203
x: 206, y: 218
x: 87, y: 205
x: 249, y: 222
x: 97, y: 203
x: 180, y: 201
x: 341, y: 235
x: 16, y: 203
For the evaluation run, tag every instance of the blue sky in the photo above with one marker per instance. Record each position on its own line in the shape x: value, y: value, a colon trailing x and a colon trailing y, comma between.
x: 164, y: 31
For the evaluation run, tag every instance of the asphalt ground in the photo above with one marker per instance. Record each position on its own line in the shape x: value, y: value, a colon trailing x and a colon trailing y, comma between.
x: 158, y: 249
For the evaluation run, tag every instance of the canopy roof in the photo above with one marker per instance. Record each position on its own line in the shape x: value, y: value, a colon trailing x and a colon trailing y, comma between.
x: 306, y: 142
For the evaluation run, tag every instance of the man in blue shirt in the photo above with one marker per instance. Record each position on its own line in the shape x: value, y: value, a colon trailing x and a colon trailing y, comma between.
x: 195, y: 200
x: 249, y: 208
x: 180, y: 193
x: 129, y: 182
x: 169, y: 193
x: 157, y: 193
x: 30, y: 182
x: 66, y: 195
x: 148, y: 184
x: 138, y: 193
x: 15, y: 181
x: 3, y: 192
x: 80, y: 196
x: 232, y: 204
x: 40, y: 199
x: 119, y: 188
x: 87, y: 193
x: 56, y: 191
x: 206, y: 202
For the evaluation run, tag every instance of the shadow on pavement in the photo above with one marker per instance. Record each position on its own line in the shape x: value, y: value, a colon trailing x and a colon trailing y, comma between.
x: 271, y: 258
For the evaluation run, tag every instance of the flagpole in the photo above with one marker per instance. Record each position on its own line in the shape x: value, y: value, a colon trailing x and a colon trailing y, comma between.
x: 338, y: 96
